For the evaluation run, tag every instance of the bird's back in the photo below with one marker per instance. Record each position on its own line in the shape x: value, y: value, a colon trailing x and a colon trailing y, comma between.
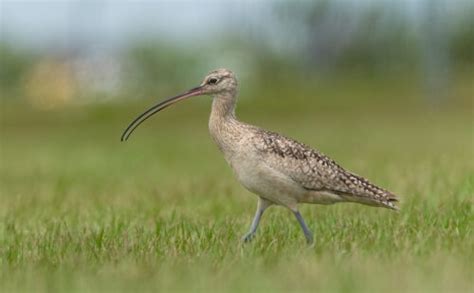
x: 316, y: 172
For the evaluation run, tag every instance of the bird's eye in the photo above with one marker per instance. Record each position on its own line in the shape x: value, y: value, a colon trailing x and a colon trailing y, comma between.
x: 212, y: 81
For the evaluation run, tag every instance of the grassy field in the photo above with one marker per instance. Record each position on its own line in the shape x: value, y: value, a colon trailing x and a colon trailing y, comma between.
x: 80, y: 211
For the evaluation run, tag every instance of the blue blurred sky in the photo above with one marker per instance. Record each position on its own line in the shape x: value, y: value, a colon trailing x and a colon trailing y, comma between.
x: 113, y: 23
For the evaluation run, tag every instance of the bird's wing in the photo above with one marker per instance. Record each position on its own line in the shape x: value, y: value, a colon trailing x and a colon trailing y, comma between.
x: 315, y: 171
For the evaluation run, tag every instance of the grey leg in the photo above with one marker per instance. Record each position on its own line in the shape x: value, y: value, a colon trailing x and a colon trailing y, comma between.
x: 307, y: 233
x: 262, y: 205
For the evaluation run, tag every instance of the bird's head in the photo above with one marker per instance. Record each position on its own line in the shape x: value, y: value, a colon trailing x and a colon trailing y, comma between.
x: 217, y: 82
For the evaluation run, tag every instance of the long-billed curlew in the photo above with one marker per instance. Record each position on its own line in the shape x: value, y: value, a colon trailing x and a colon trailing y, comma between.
x: 279, y: 170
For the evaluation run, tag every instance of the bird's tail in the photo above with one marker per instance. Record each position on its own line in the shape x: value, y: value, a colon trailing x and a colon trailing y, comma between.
x: 390, y: 203
x: 370, y: 194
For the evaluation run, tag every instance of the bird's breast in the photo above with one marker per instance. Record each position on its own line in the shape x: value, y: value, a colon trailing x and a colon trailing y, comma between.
x: 227, y: 135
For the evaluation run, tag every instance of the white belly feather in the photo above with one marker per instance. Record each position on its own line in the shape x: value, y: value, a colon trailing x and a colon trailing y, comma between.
x: 272, y: 185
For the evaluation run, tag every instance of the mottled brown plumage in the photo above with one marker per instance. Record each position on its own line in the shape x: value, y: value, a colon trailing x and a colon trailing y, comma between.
x: 317, y: 172
x: 279, y: 170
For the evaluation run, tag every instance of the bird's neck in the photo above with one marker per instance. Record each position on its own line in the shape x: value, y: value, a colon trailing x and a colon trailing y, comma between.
x: 223, y: 125
x: 223, y: 106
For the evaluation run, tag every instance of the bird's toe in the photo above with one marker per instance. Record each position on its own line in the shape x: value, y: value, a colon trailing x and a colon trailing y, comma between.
x: 248, y: 237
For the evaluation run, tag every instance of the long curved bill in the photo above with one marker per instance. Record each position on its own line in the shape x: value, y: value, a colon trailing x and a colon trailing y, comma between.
x: 157, y: 108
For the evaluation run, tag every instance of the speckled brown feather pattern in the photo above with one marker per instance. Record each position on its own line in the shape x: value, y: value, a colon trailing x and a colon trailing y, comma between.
x: 281, y: 169
x: 315, y: 171
x: 277, y: 169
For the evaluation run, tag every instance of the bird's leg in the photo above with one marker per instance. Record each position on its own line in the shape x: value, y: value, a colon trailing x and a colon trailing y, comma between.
x: 262, y: 205
x: 307, y: 233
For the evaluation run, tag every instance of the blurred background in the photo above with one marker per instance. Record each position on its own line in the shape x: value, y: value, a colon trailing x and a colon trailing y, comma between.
x: 364, y: 81
x: 56, y: 54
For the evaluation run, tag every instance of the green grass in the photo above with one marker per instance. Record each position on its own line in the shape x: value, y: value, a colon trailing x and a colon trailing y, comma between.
x: 80, y: 211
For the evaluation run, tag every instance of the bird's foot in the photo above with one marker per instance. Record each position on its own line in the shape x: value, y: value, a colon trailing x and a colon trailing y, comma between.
x: 309, y: 239
x: 248, y: 237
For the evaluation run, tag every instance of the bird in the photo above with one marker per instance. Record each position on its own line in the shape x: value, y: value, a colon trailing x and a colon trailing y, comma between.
x: 279, y: 170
